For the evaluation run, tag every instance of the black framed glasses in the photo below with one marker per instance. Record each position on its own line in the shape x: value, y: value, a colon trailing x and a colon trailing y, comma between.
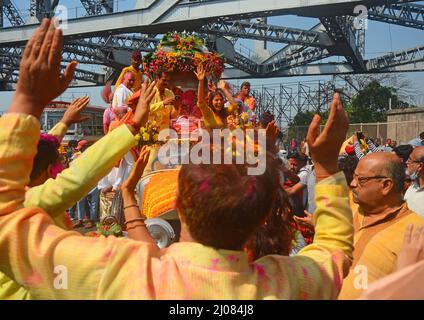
x: 414, y: 161
x: 363, y: 180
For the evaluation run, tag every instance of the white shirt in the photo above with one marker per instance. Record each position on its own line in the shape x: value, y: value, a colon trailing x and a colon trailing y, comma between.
x: 121, y: 96
x: 108, y: 180
x: 414, y: 197
x: 303, y: 176
x: 124, y: 170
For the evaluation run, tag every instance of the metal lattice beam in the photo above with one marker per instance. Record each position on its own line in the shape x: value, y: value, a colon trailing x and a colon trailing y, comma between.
x: 297, y: 59
x: 341, y: 31
x: 128, y: 43
x: 12, y: 13
x: 321, y: 69
x: 396, y: 59
x: 40, y: 9
x: 10, y: 57
x: 164, y: 15
x: 10, y: 75
x: 266, y: 32
x: 96, y: 7
x: 408, y: 15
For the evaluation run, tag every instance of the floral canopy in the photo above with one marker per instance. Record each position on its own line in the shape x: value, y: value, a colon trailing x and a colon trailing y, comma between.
x: 183, y: 52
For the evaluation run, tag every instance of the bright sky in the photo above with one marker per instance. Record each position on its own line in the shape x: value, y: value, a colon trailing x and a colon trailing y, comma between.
x: 381, y: 39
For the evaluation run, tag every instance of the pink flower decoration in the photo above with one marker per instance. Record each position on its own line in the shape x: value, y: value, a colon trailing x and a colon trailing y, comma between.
x: 50, y: 139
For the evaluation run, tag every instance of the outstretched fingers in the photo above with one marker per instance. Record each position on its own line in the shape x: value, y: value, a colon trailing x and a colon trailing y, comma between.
x: 55, y: 54
x: 47, y: 44
x: 313, y: 130
x: 68, y: 76
x: 39, y: 39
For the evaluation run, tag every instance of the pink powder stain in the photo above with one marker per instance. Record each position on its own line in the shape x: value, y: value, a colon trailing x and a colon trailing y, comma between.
x: 305, y: 296
x: 326, y: 201
x: 251, y: 189
x: 292, y: 267
x: 260, y: 270
x: 34, y: 279
x: 51, y: 233
x: 305, y: 271
x: 106, y: 256
x: 232, y: 258
x: 215, y: 263
x: 204, y: 186
x: 337, y: 280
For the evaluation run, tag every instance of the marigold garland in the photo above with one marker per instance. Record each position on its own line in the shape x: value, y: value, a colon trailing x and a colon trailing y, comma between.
x: 184, y: 52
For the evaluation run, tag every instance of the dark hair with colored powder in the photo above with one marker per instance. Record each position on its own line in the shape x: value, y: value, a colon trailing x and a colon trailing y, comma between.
x: 275, y: 235
x: 47, y: 154
x: 222, y: 205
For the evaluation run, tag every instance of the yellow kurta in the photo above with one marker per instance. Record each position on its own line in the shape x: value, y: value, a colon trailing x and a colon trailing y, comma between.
x: 138, y: 77
x: 31, y: 247
x: 377, y: 246
x: 57, y: 195
x: 161, y: 115
x: 211, y: 119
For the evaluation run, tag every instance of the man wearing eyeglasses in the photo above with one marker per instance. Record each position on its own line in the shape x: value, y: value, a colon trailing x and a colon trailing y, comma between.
x: 414, y: 196
x: 380, y: 222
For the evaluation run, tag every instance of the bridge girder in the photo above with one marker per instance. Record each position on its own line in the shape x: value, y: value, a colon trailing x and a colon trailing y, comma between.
x: 409, y: 15
x: 95, y: 38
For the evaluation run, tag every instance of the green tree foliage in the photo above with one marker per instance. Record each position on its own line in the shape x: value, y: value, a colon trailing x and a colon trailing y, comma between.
x: 372, y: 103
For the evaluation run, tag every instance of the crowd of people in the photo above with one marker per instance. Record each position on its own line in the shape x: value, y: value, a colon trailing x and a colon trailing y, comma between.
x: 336, y: 218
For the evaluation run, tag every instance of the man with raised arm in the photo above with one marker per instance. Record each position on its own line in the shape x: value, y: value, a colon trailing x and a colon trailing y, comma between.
x: 210, y: 262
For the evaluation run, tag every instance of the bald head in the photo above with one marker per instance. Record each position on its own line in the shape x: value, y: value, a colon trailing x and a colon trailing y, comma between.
x: 385, y: 164
x: 378, y: 182
x: 418, y: 154
x: 415, y: 165
x: 129, y: 80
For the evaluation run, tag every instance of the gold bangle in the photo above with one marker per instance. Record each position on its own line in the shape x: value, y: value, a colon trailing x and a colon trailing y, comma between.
x: 135, y: 220
x: 130, y: 206
x: 136, y: 226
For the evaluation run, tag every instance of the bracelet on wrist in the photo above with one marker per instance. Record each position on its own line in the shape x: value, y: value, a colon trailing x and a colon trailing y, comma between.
x: 131, y: 206
x: 141, y: 219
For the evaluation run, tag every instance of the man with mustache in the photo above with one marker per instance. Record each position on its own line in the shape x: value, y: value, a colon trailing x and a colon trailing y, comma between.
x: 380, y: 223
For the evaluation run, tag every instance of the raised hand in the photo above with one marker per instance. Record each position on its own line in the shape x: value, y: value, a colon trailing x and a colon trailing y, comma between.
x: 325, y: 147
x: 147, y: 92
x: 272, y: 133
x: 73, y: 113
x: 40, y: 78
x: 223, y: 85
x: 306, y: 221
x: 168, y: 101
x: 130, y: 184
x: 201, y: 72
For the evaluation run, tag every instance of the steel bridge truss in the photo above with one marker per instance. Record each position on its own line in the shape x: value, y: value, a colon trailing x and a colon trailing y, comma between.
x: 336, y: 35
